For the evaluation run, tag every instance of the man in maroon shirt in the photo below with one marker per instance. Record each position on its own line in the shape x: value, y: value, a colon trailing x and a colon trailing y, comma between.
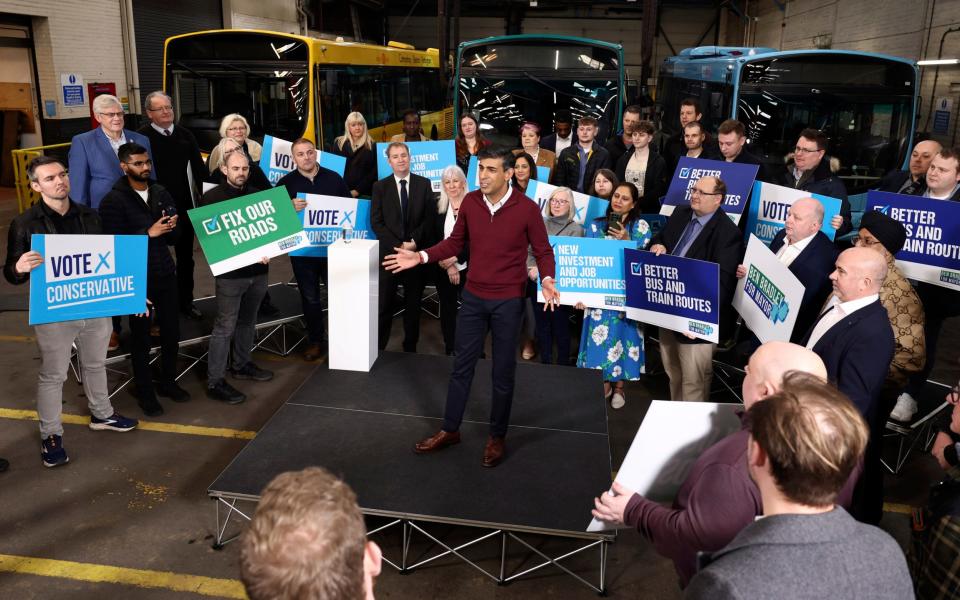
x: 718, y: 497
x: 497, y: 223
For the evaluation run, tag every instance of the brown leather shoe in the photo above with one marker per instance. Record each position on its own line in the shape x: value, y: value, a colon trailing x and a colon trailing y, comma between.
x: 438, y: 441
x: 493, y: 453
x: 313, y: 352
x: 114, y: 342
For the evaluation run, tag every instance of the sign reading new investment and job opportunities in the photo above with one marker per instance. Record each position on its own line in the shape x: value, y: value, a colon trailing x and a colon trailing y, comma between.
x: 239, y: 232
x: 738, y: 178
x: 680, y: 294
x: 589, y: 270
x: 932, y: 250
x: 88, y: 276
x: 770, y: 204
x: 427, y: 159
x: 325, y: 217
x: 769, y: 296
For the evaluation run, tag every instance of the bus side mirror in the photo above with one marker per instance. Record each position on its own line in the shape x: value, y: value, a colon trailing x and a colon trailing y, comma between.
x: 716, y: 104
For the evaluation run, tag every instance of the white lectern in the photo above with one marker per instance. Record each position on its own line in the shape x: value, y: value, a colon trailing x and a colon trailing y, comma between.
x: 353, y: 273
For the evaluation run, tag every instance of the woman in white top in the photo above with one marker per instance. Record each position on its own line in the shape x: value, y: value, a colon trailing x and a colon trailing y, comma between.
x: 453, y: 271
x: 644, y: 168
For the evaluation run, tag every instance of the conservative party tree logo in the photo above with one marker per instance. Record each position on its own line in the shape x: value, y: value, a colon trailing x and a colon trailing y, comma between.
x: 767, y: 296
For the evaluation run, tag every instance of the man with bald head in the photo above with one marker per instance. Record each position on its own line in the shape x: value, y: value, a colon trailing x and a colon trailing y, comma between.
x: 718, y: 498
x: 702, y: 231
x: 854, y: 338
x: 912, y: 181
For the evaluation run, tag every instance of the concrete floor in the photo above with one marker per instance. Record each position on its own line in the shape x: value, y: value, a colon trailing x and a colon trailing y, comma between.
x: 138, y: 500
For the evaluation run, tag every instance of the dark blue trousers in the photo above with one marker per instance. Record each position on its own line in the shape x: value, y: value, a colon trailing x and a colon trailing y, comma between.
x: 309, y: 272
x: 476, y: 316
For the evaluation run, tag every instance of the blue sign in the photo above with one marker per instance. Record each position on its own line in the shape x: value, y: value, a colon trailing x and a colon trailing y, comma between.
x: 770, y: 204
x: 276, y: 160
x: 680, y: 294
x: 427, y: 159
x: 326, y: 217
x: 585, y: 208
x: 738, y: 178
x: 590, y: 270
x: 932, y: 250
x: 88, y: 276
x: 473, y: 174
x: 73, y: 95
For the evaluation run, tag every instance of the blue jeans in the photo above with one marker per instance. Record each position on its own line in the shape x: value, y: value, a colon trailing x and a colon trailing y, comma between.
x: 237, y: 303
x: 310, y: 271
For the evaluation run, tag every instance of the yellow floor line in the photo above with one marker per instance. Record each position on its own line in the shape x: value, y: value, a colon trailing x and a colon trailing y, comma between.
x: 17, y: 338
x: 904, y: 509
x: 177, y: 582
x: 31, y: 415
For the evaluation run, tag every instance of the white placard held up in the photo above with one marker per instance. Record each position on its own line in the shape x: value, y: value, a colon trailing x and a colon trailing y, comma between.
x: 769, y: 297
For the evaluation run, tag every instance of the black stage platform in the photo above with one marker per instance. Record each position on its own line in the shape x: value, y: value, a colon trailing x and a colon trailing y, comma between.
x: 362, y: 426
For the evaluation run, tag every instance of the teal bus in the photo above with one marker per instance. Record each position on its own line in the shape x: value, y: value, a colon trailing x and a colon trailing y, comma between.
x: 508, y: 80
x: 865, y: 103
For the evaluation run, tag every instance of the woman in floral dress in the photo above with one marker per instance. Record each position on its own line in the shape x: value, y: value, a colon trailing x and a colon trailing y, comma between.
x: 610, y: 341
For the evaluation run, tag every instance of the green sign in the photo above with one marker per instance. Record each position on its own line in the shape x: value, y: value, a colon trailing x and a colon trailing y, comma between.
x: 240, y: 232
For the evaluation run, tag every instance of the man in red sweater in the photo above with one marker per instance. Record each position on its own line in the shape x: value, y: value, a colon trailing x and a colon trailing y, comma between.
x: 497, y: 223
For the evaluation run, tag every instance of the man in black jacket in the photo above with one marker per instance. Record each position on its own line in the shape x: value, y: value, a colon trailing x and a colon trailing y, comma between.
x: 239, y: 293
x: 175, y: 150
x: 57, y: 214
x: 702, y: 231
x: 578, y: 164
x: 811, y: 173
x: 623, y: 139
x: 310, y: 178
x: 138, y: 206
x: 913, y: 181
x: 400, y: 211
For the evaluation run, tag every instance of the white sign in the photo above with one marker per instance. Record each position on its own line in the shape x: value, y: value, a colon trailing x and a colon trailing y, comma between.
x: 71, y: 85
x: 671, y: 438
x: 769, y: 296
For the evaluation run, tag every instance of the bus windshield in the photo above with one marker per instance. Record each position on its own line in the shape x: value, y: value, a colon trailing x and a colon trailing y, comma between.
x: 263, y: 77
x: 508, y: 83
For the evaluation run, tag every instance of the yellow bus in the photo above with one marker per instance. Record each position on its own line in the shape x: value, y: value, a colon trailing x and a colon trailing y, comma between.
x: 291, y: 86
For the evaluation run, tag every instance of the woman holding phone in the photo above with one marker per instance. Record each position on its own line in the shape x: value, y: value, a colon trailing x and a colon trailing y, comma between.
x: 609, y: 340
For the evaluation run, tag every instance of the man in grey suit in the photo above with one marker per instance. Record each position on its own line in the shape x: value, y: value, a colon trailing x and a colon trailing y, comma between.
x: 804, y: 442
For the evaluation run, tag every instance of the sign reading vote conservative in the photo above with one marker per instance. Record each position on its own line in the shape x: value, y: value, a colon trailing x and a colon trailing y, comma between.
x: 239, y: 232
x: 276, y: 160
x: 325, y: 217
x: 586, y: 208
x: 88, y: 276
x: 932, y: 250
x: 589, y: 270
x: 769, y: 297
x: 681, y: 294
x: 739, y: 179
x: 427, y: 159
x: 770, y: 204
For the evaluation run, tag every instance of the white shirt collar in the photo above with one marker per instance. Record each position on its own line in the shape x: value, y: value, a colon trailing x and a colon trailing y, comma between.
x: 801, y: 244
x: 851, y: 306
x: 495, y: 207
x: 399, y: 179
x: 161, y: 130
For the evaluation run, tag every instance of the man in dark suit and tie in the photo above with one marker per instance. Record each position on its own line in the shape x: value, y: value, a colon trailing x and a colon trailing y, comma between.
x: 810, y: 255
x: 702, y: 231
x: 399, y: 209
x: 855, y: 341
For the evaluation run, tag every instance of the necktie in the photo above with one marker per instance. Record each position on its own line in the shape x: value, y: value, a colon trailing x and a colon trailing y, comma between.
x: 686, y: 238
x: 584, y: 159
x: 166, y: 132
x: 403, y: 206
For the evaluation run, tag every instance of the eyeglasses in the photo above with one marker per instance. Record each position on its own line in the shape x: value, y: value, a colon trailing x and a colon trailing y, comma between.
x: 865, y: 241
x: 696, y: 192
x: 241, y: 128
x: 167, y: 108
x: 800, y: 150
x: 113, y: 115
x: 140, y: 163
x: 559, y: 201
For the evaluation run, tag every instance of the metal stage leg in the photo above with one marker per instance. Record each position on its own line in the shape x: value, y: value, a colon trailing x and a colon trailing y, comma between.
x: 454, y: 551
x: 382, y: 528
x: 556, y: 562
x: 231, y: 508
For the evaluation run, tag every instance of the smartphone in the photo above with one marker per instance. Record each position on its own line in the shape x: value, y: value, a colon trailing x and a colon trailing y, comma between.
x: 613, y: 222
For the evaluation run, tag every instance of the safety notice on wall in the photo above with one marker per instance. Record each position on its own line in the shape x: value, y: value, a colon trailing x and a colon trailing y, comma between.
x: 72, y: 86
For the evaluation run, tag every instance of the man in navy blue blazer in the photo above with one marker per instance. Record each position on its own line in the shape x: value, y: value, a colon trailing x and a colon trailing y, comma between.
x: 854, y: 338
x: 94, y: 166
x: 810, y: 255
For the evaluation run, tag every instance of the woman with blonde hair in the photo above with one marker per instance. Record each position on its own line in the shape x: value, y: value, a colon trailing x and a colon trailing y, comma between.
x: 257, y: 179
x: 453, y: 270
x: 235, y: 127
x: 356, y: 146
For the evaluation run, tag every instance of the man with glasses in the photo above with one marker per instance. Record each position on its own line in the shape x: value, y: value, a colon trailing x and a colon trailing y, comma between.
x: 811, y: 173
x: 176, y: 152
x: 138, y: 206
x: 702, y: 231
x: 94, y: 167
x: 578, y: 164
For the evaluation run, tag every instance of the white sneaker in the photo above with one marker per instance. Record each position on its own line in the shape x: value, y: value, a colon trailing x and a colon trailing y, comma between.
x: 618, y: 400
x: 905, y: 409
